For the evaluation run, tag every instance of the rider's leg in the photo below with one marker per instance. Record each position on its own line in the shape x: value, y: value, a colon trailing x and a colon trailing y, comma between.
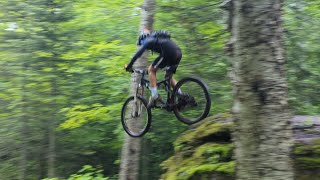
x: 153, y: 81
x: 155, y: 97
x: 173, y: 82
x: 174, y: 65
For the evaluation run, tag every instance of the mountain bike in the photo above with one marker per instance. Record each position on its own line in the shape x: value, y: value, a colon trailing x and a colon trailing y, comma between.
x: 189, y: 100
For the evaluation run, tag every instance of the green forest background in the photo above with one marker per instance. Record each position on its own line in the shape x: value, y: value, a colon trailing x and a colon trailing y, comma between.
x: 62, y: 82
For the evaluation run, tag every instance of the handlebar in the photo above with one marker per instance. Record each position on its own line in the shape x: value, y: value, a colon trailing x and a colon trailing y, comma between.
x: 140, y: 71
x: 132, y: 70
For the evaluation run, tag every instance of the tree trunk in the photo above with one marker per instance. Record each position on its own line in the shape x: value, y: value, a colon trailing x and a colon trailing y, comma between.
x: 130, y: 156
x: 53, y: 95
x: 23, y: 151
x: 24, y: 129
x: 262, y: 136
x: 51, y: 148
x: 52, y: 123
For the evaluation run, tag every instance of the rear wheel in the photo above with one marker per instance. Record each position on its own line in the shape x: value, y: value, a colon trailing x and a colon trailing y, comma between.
x: 135, y: 116
x: 192, y: 103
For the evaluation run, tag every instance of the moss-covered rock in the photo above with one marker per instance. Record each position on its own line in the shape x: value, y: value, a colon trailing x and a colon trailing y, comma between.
x: 206, y: 151
x: 307, y: 160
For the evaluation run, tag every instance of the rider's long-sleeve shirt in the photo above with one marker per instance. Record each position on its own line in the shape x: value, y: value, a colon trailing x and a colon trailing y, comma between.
x: 162, y: 46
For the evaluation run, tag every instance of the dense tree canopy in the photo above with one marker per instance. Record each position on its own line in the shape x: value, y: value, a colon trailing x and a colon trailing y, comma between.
x: 62, y: 81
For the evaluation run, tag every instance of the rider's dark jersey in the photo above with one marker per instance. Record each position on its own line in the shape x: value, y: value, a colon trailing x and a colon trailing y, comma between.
x: 169, y: 52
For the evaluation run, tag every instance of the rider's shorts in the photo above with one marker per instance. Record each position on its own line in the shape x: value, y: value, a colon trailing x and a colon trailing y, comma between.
x: 169, y: 61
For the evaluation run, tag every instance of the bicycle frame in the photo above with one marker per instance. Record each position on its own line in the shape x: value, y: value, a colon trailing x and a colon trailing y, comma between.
x: 143, y: 82
x: 141, y: 116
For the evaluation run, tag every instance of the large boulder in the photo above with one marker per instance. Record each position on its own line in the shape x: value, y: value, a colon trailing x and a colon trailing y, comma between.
x: 206, y: 150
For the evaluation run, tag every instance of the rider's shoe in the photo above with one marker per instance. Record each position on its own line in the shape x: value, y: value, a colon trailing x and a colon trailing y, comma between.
x: 154, y: 101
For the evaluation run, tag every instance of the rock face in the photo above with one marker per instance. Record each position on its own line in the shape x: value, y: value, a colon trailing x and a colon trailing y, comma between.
x: 205, y: 152
x: 306, y: 152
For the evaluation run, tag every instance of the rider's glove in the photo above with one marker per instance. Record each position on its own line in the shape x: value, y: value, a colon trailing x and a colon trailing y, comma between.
x: 128, y: 68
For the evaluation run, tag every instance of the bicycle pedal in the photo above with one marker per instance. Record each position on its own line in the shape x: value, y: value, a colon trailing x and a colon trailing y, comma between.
x: 162, y: 106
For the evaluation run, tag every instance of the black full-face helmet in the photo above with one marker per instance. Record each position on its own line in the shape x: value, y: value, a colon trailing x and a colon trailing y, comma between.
x: 142, y: 38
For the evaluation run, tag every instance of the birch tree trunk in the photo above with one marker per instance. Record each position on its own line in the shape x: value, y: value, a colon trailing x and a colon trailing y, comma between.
x: 130, y: 156
x: 51, y: 122
x: 262, y: 130
x: 51, y: 155
x: 24, y: 129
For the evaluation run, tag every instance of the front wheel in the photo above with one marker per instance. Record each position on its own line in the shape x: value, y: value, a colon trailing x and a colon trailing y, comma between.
x: 192, y: 100
x: 135, y: 116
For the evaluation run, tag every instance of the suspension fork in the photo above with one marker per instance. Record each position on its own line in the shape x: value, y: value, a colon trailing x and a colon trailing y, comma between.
x: 137, y: 106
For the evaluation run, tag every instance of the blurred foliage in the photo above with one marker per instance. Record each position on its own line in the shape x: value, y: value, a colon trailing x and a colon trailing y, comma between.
x: 301, y: 24
x: 61, y: 67
x: 86, y: 173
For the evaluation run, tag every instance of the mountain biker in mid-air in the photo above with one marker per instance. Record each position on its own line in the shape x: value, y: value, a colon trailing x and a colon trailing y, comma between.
x: 168, y: 59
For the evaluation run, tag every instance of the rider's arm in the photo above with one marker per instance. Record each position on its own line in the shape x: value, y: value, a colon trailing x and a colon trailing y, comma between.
x: 137, y: 55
